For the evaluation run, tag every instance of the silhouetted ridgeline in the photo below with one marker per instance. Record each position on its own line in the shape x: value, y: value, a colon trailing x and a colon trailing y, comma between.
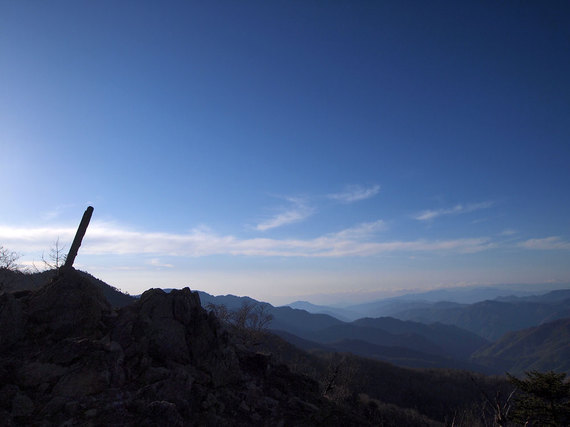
x: 14, y: 280
x: 68, y: 357
x: 416, y: 344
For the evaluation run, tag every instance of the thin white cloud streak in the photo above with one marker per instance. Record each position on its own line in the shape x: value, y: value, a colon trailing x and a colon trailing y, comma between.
x: 106, y: 239
x: 545, y: 244
x: 508, y: 232
x: 362, y: 231
x: 155, y: 262
x: 284, y: 218
x: 355, y: 193
x: 299, y: 212
x: 456, y: 210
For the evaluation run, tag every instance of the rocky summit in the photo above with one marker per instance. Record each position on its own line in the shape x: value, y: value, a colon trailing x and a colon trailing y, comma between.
x: 68, y: 358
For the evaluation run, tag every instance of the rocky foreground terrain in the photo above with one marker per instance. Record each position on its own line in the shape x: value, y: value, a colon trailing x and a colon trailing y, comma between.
x: 68, y: 358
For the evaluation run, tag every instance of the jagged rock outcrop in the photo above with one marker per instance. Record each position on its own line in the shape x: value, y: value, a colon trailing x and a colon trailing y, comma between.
x: 68, y: 358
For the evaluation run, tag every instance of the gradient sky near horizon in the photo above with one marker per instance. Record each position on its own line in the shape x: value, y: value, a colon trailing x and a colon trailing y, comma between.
x: 289, y: 149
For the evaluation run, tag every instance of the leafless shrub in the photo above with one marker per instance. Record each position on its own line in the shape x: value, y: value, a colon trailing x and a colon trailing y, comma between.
x: 9, y: 259
x: 56, y: 257
x: 251, y: 318
x: 335, y: 383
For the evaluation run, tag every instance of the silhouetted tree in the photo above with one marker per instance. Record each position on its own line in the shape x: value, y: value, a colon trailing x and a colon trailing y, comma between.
x: 543, y: 399
x: 251, y: 318
x: 259, y: 318
x: 221, y: 312
x: 56, y: 257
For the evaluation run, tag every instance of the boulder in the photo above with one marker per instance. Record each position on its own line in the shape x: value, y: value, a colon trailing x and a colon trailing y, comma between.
x: 22, y: 406
x: 68, y: 306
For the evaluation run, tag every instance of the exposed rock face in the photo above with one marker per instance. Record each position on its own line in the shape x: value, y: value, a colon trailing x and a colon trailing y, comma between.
x: 67, y: 357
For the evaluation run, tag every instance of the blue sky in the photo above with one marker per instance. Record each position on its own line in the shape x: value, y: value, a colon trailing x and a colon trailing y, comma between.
x: 290, y: 149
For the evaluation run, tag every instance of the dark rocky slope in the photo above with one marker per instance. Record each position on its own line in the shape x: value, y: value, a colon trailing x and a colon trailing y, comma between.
x: 68, y: 358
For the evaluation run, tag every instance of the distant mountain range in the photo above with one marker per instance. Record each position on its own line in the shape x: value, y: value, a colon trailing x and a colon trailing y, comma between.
x: 298, y: 322
x: 511, y: 333
x: 551, y: 297
x: 492, y: 319
x: 452, y: 296
x: 345, y: 315
x: 426, y: 334
x: 406, y: 343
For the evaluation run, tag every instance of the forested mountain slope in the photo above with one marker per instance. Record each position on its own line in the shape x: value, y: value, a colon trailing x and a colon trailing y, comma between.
x: 541, y: 348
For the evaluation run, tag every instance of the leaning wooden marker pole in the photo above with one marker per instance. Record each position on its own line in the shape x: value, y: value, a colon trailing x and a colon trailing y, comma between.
x: 78, y: 238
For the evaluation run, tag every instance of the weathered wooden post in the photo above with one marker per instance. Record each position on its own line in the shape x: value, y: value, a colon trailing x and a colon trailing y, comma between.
x: 78, y: 238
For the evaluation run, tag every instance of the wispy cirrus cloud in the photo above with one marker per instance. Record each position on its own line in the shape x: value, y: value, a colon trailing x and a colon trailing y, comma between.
x: 355, y: 193
x: 300, y: 208
x: 458, y: 209
x: 545, y: 244
x: 299, y: 211
x: 56, y: 211
x: 111, y: 239
x: 364, y: 230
